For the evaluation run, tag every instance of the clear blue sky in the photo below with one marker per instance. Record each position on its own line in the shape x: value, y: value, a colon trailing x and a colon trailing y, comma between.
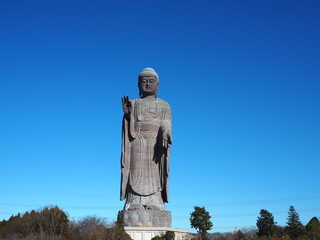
x: 242, y: 79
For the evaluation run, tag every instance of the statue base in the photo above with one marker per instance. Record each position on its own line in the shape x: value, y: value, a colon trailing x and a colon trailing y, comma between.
x: 146, y: 218
x: 147, y: 233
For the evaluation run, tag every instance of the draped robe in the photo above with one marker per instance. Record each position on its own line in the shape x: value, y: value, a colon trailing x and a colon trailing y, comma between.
x: 144, y: 159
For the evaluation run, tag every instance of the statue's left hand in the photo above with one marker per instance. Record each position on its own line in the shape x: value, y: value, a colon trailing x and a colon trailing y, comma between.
x: 167, y: 140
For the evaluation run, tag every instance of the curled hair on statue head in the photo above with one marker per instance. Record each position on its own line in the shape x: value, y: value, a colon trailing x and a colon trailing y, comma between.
x: 148, y: 72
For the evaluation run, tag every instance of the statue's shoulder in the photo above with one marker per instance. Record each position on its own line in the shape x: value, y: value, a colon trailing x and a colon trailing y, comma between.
x: 163, y: 103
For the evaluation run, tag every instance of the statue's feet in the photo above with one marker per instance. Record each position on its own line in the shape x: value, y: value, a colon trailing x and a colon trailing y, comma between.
x: 153, y: 208
x: 136, y: 207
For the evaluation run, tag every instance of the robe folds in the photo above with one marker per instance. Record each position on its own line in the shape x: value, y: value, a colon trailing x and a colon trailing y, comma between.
x: 144, y: 159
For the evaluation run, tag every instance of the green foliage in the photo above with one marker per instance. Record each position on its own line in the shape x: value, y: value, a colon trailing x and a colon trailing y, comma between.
x: 313, y: 229
x: 294, y: 226
x: 52, y: 223
x: 200, y: 220
x: 266, y: 224
x: 118, y: 232
x: 281, y: 232
x: 169, y: 235
x: 157, y: 238
x: 203, y: 236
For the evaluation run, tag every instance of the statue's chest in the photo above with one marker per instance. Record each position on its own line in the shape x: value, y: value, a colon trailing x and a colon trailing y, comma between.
x: 147, y: 110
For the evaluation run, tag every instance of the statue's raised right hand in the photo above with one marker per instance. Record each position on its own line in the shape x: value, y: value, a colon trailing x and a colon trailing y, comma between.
x: 126, y: 105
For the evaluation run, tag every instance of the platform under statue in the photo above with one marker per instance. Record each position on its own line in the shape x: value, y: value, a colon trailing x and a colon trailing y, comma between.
x: 146, y: 140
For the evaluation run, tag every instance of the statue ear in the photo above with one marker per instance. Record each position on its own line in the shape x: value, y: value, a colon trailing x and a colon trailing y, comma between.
x: 140, y: 93
x: 156, y: 93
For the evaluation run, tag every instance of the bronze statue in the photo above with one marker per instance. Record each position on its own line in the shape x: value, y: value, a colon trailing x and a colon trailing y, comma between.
x: 146, y: 140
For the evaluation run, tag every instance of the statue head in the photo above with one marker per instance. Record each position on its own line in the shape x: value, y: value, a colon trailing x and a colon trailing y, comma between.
x: 148, y: 82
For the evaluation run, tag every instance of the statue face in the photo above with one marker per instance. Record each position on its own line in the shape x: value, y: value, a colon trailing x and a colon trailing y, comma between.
x: 148, y: 86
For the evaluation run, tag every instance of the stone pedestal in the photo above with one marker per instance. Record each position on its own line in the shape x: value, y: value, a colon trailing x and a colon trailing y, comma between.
x: 146, y: 233
x: 146, y: 218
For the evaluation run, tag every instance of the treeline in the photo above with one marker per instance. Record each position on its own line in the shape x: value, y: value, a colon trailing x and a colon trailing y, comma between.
x: 52, y: 223
x: 268, y: 228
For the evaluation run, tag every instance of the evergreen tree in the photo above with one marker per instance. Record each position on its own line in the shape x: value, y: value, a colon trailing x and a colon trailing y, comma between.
x: 313, y: 229
x: 281, y: 232
x: 266, y: 224
x: 200, y: 220
x: 294, y: 226
x: 119, y: 232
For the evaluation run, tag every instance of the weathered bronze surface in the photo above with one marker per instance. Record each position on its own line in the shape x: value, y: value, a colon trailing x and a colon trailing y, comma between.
x: 146, y: 140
